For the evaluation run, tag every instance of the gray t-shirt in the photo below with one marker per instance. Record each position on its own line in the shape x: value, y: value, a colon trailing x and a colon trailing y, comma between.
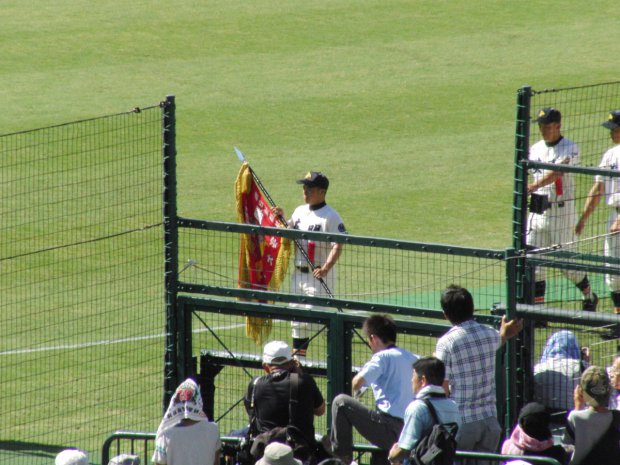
x: 588, y: 427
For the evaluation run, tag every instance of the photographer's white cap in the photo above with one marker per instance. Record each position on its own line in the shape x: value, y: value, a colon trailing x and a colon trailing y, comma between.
x: 72, y: 457
x: 277, y: 353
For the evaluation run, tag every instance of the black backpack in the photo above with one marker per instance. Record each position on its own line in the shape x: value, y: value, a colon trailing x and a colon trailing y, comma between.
x: 439, y: 446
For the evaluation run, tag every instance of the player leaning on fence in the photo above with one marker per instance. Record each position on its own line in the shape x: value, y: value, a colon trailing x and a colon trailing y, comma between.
x: 552, y: 201
x: 469, y: 351
x: 610, y: 188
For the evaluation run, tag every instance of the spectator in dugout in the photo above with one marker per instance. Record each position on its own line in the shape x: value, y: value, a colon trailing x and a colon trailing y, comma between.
x: 558, y: 372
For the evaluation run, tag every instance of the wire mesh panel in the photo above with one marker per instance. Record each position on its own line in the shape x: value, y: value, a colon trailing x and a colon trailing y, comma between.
x: 373, y: 276
x: 572, y: 211
x: 568, y: 237
x: 563, y: 259
x: 583, y: 110
x: 81, y: 299
x: 369, y: 272
x: 223, y: 350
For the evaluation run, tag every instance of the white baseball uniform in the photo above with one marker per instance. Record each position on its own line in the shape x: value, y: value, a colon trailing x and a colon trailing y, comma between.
x: 555, y: 225
x: 323, y: 219
x: 611, y: 160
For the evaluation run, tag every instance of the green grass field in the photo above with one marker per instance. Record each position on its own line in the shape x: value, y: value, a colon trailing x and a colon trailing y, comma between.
x: 407, y: 106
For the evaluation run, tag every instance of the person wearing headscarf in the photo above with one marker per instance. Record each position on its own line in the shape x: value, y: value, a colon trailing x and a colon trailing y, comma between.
x: 558, y: 372
x: 532, y: 435
x: 185, y: 436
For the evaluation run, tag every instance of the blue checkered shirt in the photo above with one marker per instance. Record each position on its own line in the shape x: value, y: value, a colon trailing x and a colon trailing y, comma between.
x: 469, y: 351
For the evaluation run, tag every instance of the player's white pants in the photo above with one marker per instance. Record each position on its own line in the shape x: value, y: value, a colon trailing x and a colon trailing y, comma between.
x: 612, y: 249
x: 555, y: 226
x: 306, y: 284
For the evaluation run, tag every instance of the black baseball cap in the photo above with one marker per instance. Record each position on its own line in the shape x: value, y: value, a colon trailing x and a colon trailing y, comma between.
x: 315, y: 179
x: 613, y: 120
x: 548, y: 115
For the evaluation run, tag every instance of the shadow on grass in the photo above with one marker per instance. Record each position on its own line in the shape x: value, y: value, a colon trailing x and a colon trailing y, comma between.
x: 31, y: 449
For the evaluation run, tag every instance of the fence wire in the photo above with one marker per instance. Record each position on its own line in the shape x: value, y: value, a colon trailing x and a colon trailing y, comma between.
x: 81, y: 322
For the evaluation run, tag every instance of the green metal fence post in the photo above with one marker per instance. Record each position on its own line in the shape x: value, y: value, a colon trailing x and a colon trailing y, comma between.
x: 512, y: 379
x: 522, y: 140
x: 170, y: 246
x: 519, y: 207
x: 338, y: 358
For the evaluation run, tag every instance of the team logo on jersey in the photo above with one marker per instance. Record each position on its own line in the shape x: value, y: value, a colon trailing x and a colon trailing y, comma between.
x: 341, y: 228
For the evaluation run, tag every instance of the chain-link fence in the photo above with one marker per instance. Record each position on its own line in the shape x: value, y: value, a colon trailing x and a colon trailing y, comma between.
x: 81, y: 294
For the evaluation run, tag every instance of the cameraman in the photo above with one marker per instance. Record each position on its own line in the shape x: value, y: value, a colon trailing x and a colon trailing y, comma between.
x: 268, y: 397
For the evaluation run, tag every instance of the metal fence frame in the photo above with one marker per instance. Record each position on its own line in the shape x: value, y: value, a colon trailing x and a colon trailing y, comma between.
x: 188, y: 298
x: 137, y: 441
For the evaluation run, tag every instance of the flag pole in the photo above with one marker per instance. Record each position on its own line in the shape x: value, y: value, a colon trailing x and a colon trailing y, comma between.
x: 284, y: 222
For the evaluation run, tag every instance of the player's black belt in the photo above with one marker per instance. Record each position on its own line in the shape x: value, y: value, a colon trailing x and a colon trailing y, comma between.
x: 304, y: 268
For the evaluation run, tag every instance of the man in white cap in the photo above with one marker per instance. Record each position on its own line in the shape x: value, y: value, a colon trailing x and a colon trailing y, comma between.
x: 277, y: 453
x: 268, y: 398
x: 72, y: 457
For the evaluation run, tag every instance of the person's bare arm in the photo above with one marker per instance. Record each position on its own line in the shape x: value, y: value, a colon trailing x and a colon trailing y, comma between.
x: 332, y: 258
x: 547, y: 179
x: 509, y: 329
x: 320, y: 410
x: 357, y: 383
x: 397, y: 454
x: 592, y: 201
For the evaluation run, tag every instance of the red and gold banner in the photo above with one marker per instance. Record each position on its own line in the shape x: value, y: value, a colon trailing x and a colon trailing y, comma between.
x: 263, y: 260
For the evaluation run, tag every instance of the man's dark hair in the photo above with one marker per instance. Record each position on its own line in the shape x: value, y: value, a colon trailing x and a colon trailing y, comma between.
x: 457, y: 304
x: 381, y: 326
x: 432, y: 368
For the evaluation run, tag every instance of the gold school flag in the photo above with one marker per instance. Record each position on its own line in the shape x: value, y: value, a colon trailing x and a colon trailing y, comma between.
x: 262, y: 259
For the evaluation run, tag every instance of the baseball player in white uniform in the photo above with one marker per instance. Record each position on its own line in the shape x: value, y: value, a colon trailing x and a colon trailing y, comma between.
x: 554, y: 222
x: 610, y: 188
x: 313, y: 215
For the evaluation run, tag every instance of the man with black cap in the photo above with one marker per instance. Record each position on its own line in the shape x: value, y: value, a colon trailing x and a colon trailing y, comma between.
x: 610, y: 188
x: 313, y: 215
x: 552, y: 202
